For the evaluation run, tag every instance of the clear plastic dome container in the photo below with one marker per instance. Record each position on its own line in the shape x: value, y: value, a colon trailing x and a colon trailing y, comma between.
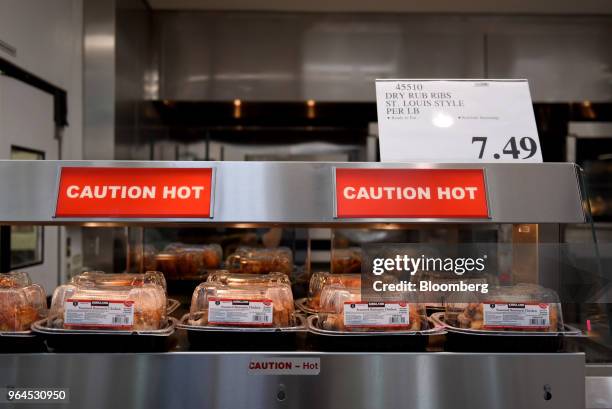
x: 21, y: 302
x: 196, y: 260
x: 101, y: 278
x: 346, y: 261
x: 142, y: 258
x: 343, y: 309
x: 261, y: 305
x: 241, y: 279
x: 320, y: 280
x: 260, y: 260
x: 96, y: 301
x: 167, y: 263
x: 522, y: 307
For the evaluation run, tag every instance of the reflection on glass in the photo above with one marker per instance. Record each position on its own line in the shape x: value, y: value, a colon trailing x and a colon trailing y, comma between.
x: 26, y: 241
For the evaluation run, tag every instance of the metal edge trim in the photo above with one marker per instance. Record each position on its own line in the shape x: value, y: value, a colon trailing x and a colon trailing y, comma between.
x: 40, y: 327
x: 313, y: 327
x: 213, y: 191
x: 570, y: 333
x: 268, y: 330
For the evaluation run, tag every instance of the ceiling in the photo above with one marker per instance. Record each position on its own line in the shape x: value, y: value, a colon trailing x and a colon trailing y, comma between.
x: 427, y: 6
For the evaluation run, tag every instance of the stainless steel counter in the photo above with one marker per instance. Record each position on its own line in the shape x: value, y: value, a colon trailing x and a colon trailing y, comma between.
x: 340, y: 380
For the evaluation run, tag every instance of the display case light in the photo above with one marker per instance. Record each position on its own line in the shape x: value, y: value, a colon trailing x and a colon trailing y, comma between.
x: 310, y: 104
x: 237, y: 108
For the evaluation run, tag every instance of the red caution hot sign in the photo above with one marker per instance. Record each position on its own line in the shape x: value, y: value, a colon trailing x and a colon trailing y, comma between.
x: 134, y: 192
x: 411, y: 193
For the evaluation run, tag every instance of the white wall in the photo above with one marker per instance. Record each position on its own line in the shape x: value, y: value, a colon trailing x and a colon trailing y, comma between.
x: 48, y: 37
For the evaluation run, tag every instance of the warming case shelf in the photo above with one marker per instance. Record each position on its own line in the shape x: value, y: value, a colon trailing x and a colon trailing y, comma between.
x: 254, y: 194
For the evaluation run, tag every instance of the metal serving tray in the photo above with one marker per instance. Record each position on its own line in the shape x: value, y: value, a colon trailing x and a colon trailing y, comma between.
x: 20, y: 341
x: 300, y: 320
x: 172, y: 305
x: 438, y: 318
x: 369, y: 341
x: 221, y: 338
x: 472, y: 340
x: 82, y: 340
x: 302, y: 305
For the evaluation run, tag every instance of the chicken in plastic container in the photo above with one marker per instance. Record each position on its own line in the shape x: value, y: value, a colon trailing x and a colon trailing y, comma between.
x: 320, y: 280
x: 385, y: 314
x: 167, y: 263
x: 522, y: 307
x: 260, y: 260
x: 195, y: 260
x: 21, y: 302
x: 142, y: 258
x: 240, y: 305
x: 98, y: 301
x: 346, y: 261
x: 243, y: 279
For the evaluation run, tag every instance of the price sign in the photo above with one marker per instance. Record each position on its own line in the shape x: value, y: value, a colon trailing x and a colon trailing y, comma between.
x: 456, y: 121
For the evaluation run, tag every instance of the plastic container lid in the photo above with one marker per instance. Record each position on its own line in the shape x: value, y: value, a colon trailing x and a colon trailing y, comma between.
x: 21, y: 302
x: 319, y: 280
x: 241, y: 279
x: 346, y: 261
x: 259, y: 305
x: 142, y: 258
x: 260, y: 260
x: 522, y: 307
x: 167, y: 264
x: 101, y: 279
x: 97, y: 301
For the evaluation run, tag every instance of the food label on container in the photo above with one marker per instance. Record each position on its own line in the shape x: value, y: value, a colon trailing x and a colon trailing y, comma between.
x: 255, y: 313
x: 376, y: 314
x: 516, y: 316
x: 99, y: 313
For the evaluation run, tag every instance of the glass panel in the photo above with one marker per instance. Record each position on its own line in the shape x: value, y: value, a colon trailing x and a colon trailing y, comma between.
x: 27, y: 242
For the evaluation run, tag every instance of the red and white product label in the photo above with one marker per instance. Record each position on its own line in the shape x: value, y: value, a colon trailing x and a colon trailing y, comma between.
x: 134, y: 192
x: 376, y: 314
x: 411, y: 193
x: 516, y: 316
x: 99, y: 313
x: 255, y: 313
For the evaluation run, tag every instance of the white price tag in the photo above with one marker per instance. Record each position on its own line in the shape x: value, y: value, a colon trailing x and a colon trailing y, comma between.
x: 456, y: 121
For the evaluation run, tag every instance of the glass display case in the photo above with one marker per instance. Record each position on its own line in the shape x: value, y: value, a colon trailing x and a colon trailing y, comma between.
x: 480, y: 281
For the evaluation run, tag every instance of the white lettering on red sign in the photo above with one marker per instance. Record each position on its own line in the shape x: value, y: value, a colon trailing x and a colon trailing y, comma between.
x: 133, y: 192
x: 408, y: 193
